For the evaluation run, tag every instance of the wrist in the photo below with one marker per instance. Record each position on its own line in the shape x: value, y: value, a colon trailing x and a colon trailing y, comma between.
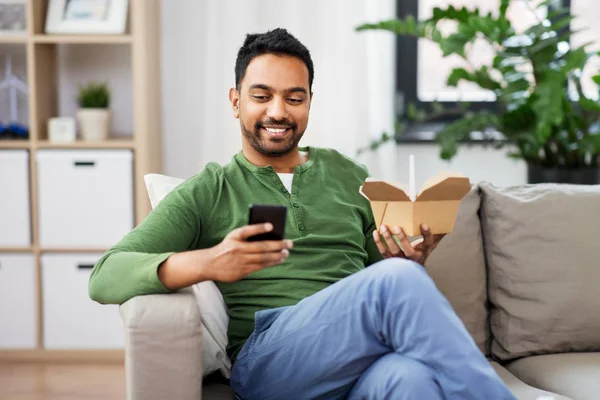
x: 202, y: 260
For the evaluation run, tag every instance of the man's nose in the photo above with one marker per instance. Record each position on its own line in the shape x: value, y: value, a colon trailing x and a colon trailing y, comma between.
x: 277, y: 109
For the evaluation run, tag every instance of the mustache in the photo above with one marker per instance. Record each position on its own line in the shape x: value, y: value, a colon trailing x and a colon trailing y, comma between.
x: 276, y: 122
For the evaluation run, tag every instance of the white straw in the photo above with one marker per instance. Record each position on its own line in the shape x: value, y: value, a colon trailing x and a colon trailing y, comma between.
x: 411, y: 177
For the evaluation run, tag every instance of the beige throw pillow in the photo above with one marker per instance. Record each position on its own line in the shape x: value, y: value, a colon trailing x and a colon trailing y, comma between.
x: 541, y: 244
x: 458, y: 268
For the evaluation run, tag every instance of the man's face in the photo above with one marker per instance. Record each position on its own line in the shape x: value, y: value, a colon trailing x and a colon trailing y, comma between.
x: 273, y: 103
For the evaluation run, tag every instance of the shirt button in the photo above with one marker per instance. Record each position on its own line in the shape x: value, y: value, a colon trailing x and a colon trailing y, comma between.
x: 301, y: 227
x: 296, y: 205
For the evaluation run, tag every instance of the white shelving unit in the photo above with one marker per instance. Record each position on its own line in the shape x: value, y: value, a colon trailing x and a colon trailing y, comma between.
x: 61, y: 215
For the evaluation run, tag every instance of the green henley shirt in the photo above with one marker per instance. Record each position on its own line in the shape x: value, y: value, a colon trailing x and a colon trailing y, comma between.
x: 329, y: 221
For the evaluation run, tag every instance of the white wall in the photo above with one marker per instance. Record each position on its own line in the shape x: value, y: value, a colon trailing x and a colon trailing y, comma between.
x: 476, y: 162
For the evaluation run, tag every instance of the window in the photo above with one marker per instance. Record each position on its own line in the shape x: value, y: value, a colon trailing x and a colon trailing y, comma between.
x: 421, y: 69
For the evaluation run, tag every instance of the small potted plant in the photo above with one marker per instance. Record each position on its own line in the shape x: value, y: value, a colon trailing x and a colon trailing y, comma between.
x: 93, y: 115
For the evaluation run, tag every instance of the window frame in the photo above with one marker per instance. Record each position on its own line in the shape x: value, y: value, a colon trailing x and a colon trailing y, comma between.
x: 407, y: 70
x: 407, y: 83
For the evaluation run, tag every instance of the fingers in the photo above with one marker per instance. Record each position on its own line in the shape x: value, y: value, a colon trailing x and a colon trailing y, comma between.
x: 390, y: 242
x: 382, y: 249
x: 427, y: 236
x: 266, y: 246
x: 247, y: 231
x: 263, y: 260
x: 409, y: 250
x: 430, y: 241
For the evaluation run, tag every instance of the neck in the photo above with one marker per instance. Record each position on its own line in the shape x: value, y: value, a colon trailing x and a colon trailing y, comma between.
x: 282, y: 164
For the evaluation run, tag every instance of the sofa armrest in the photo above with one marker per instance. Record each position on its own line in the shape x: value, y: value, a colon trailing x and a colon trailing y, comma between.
x: 163, y: 346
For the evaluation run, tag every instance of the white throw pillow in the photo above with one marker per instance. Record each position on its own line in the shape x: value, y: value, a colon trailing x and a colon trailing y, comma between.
x: 213, y: 311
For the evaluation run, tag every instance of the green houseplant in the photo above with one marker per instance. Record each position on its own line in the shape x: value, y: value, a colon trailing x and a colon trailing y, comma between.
x: 542, y: 113
x: 93, y: 115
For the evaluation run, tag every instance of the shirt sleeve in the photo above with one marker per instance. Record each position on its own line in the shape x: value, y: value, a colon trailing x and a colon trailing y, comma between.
x: 130, y: 268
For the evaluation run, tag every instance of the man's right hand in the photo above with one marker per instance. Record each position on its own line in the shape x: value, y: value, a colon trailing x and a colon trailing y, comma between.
x: 229, y: 261
x: 235, y: 257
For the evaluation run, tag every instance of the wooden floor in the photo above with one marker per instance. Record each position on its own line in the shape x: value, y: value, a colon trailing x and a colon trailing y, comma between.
x: 31, y: 381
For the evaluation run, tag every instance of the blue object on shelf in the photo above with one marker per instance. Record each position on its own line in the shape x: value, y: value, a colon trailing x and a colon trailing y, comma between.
x: 14, y: 131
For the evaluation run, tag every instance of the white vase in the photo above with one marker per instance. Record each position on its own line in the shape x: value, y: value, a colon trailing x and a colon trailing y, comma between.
x: 94, y: 123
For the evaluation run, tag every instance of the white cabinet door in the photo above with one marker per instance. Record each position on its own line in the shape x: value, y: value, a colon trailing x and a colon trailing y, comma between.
x: 18, y: 321
x: 85, y: 197
x: 15, y: 228
x: 71, y: 319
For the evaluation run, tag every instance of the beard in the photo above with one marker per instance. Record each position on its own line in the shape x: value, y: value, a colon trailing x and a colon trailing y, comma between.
x: 272, y: 147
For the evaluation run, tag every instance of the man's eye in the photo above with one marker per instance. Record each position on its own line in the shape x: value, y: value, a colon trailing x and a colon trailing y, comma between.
x: 296, y: 101
x: 260, y: 98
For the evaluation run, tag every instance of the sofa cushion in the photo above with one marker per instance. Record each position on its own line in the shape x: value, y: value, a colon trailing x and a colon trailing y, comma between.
x: 543, y: 269
x: 574, y: 375
x: 520, y: 389
x: 458, y: 268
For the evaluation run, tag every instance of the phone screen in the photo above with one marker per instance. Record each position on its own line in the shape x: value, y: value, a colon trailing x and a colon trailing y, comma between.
x: 276, y: 215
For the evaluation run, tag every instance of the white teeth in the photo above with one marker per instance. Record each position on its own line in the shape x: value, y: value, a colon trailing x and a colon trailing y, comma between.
x: 272, y: 130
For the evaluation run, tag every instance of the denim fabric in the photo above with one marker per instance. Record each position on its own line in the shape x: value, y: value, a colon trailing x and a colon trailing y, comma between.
x: 385, y: 332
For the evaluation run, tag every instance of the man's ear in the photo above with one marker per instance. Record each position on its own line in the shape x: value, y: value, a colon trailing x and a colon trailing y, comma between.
x: 234, y: 98
x: 311, y: 99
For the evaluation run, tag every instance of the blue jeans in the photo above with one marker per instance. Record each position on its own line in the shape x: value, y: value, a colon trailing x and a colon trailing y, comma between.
x: 383, y: 333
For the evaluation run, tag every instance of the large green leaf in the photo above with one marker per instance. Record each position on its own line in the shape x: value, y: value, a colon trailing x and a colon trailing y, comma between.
x: 548, y: 103
x: 485, y: 25
x: 591, y: 144
x: 457, y: 75
x: 590, y: 105
x: 562, y: 22
x: 455, y: 44
x: 576, y: 59
x: 455, y: 132
x: 504, y: 7
x: 407, y: 26
x: 481, y: 77
x: 452, y: 13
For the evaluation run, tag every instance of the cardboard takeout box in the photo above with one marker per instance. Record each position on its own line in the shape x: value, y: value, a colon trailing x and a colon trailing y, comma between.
x: 436, y: 204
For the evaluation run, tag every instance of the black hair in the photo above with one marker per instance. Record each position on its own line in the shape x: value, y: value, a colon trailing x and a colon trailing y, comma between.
x: 279, y: 42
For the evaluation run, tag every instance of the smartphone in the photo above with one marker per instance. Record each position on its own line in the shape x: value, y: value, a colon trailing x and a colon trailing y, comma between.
x: 276, y: 215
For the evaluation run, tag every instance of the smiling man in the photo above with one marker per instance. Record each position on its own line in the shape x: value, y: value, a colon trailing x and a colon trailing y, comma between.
x: 337, y: 310
x: 274, y: 118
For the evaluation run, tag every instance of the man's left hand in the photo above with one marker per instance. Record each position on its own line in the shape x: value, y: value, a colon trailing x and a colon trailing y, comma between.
x: 418, y: 252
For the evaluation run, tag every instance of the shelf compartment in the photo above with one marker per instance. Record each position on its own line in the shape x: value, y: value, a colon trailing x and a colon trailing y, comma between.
x: 66, y: 66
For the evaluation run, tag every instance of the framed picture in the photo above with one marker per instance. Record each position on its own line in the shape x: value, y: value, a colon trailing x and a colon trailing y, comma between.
x: 13, y: 17
x: 87, y: 16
